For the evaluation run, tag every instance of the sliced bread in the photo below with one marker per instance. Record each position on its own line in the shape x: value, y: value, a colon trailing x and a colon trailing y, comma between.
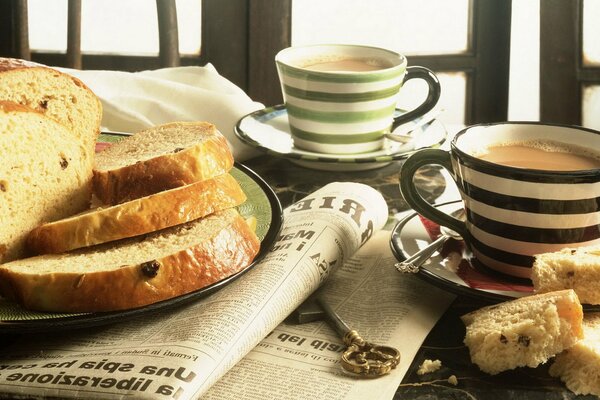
x: 576, y: 268
x: 523, y: 332
x: 43, y: 175
x: 56, y: 94
x: 137, y: 217
x: 134, y: 272
x: 160, y: 158
x: 579, y: 366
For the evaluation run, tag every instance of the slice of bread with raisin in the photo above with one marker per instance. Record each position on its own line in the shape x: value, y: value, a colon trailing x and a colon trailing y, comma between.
x: 134, y: 272
x: 579, y: 366
x: 44, y: 175
x: 137, y: 217
x: 523, y: 332
x: 56, y: 94
x: 570, y: 268
x: 160, y: 158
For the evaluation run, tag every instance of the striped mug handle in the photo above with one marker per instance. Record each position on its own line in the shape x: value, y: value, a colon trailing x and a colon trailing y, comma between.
x: 415, y: 200
x: 433, y: 95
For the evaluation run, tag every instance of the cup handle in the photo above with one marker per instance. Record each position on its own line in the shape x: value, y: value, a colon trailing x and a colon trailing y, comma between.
x: 415, y: 200
x: 433, y: 95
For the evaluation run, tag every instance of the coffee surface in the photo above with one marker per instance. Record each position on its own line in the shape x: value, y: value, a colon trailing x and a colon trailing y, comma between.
x: 544, y: 156
x: 346, y: 65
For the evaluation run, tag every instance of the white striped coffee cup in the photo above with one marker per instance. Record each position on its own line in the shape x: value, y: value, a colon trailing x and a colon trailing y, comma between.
x: 514, y: 213
x: 341, y: 99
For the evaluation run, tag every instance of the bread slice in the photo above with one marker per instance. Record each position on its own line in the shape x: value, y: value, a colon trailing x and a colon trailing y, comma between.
x: 570, y: 268
x: 56, y: 94
x: 579, y: 366
x: 523, y: 332
x: 137, y: 217
x: 160, y: 158
x: 44, y: 175
x: 134, y: 272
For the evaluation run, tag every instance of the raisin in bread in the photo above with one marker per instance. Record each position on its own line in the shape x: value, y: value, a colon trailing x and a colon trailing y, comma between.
x: 134, y: 272
x: 523, y: 332
x: 570, y: 268
x: 56, y: 94
x: 160, y: 158
x: 579, y: 366
x: 137, y: 217
x: 43, y: 175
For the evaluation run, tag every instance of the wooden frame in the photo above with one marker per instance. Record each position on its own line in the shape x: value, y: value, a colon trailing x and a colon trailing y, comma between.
x: 562, y: 71
x: 241, y: 37
x: 14, y: 31
x: 486, y: 63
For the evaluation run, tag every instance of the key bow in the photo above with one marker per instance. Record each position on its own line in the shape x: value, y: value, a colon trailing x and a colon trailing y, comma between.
x: 367, y: 359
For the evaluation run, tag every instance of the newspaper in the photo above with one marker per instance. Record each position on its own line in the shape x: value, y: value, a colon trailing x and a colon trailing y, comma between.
x: 182, y: 354
x: 303, y: 361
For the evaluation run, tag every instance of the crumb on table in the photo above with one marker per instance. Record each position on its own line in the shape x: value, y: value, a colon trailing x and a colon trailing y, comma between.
x: 429, y: 366
x: 453, y: 380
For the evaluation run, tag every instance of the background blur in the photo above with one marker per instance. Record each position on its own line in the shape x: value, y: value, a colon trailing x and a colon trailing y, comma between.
x: 418, y: 29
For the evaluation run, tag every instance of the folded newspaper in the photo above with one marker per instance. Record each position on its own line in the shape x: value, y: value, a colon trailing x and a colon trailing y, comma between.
x: 234, y: 343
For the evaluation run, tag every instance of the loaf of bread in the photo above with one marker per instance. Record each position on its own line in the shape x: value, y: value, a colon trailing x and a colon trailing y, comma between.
x: 134, y: 272
x: 56, y: 94
x: 579, y: 366
x: 576, y: 268
x: 523, y: 332
x: 137, y: 217
x: 43, y: 175
x: 160, y: 158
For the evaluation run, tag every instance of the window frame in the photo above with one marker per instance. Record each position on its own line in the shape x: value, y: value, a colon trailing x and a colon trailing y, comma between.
x: 241, y: 37
x: 563, y: 74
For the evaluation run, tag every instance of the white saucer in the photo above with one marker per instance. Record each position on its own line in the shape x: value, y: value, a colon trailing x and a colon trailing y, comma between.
x: 268, y: 130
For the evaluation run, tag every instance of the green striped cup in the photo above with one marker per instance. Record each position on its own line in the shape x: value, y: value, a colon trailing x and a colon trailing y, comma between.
x: 341, y: 98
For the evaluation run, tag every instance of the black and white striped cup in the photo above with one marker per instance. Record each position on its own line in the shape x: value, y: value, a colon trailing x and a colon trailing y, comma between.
x: 346, y: 111
x: 513, y: 213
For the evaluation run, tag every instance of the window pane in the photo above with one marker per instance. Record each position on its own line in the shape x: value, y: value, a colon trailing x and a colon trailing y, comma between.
x: 404, y: 26
x: 590, y: 106
x: 109, y: 26
x: 591, y: 32
x: 452, y: 100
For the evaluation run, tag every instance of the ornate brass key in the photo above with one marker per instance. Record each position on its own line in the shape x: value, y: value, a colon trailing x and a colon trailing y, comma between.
x: 361, y: 357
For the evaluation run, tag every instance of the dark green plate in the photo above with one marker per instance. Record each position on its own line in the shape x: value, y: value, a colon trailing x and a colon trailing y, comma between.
x: 262, y: 203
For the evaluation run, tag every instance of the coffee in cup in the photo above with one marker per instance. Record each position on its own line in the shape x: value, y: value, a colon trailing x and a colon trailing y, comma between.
x: 341, y: 99
x: 527, y: 188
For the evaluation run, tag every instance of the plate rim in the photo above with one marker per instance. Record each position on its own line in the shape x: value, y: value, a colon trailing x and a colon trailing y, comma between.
x: 323, y: 157
x: 87, y: 320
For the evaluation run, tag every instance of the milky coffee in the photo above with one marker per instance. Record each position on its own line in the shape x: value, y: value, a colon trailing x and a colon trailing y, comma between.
x: 543, y: 155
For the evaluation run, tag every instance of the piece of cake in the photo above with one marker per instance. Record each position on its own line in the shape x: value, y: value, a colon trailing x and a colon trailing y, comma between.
x: 570, y: 268
x: 579, y: 366
x: 523, y: 332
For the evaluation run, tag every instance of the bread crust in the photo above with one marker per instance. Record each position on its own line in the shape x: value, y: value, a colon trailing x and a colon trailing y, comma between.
x: 229, y: 251
x: 202, y: 161
x: 10, y: 65
x: 137, y: 217
x: 7, y: 64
